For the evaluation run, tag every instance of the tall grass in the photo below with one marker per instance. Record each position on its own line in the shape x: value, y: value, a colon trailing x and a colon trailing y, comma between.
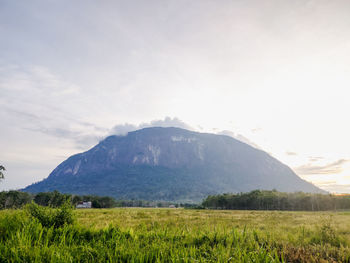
x: 160, y: 235
x: 26, y: 240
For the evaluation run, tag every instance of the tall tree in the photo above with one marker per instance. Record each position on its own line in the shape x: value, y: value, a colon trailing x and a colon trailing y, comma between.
x: 2, y: 168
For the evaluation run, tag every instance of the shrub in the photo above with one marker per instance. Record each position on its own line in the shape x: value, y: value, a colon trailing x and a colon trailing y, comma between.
x: 52, y: 217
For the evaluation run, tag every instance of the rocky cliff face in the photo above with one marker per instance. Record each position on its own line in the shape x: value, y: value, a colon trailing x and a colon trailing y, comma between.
x: 170, y: 164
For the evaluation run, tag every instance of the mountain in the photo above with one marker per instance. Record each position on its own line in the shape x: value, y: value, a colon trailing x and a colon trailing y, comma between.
x: 170, y: 164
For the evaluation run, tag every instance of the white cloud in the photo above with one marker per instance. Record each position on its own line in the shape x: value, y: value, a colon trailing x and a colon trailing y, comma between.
x: 123, y: 129
x: 35, y: 99
x: 333, y: 187
x: 315, y: 158
x: 331, y: 168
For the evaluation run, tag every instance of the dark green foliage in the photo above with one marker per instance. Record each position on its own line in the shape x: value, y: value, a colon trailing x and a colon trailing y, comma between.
x: 254, y: 200
x: 97, y: 201
x: 14, y: 199
x: 103, y: 202
x: 17, y: 199
x: 53, y: 199
x: 273, y: 200
x: 56, y: 199
x: 51, y: 217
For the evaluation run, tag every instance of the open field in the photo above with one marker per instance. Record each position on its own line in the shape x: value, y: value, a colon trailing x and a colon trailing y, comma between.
x: 178, y: 235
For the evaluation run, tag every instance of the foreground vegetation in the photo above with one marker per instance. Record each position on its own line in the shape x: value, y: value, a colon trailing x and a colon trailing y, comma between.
x: 42, y: 234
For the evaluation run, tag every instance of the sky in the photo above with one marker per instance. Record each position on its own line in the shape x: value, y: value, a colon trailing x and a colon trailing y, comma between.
x: 272, y: 73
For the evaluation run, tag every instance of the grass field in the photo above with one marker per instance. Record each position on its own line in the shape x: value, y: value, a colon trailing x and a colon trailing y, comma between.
x: 178, y: 235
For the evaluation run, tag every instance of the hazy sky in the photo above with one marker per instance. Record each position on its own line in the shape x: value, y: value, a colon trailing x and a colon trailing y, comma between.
x: 276, y: 73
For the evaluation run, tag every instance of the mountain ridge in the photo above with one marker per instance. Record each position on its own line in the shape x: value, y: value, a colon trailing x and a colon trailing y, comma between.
x: 170, y: 164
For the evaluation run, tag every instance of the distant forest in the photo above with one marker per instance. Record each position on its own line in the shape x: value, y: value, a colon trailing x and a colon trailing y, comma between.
x: 254, y: 200
x: 17, y: 199
x: 274, y: 200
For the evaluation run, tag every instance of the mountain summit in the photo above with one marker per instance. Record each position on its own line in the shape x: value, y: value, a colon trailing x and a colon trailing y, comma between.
x: 170, y: 164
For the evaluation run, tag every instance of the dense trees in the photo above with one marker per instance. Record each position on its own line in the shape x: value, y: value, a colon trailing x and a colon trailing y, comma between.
x: 14, y: 199
x: 254, y: 200
x: 54, y: 199
x: 17, y: 199
x: 97, y: 201
x: 273, y: 200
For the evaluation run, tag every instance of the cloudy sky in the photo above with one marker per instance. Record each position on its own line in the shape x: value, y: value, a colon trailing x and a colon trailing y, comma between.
x: 272, y: 73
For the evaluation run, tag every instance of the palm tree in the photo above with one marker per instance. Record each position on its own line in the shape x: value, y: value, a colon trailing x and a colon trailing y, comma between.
x: 2, y: 168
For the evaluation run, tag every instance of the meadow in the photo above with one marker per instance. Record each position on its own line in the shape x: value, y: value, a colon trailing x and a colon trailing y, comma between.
x: 177, y: 235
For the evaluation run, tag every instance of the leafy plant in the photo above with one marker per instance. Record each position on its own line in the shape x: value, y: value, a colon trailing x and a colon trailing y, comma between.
x: 52, y: 217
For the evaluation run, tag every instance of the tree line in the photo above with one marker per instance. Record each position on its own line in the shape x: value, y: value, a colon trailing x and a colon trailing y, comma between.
x: 254, y: 200
x: 274, y: 200
x: 17, y: 199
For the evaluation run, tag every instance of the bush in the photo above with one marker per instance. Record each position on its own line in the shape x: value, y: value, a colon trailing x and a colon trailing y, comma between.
x: 52, y: 217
